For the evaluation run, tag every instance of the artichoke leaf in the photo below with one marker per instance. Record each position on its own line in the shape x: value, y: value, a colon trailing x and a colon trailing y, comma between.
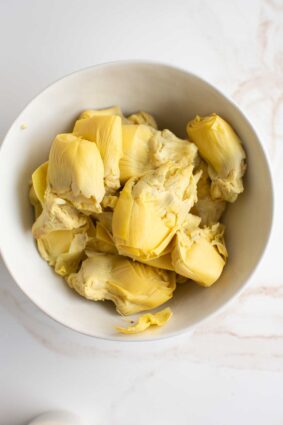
x: 151, y: 209
x: 199, y: 253
x: 222, y: 149
x: 147, y: 320
x: 106, y: 132
x: 130, y: 285
x: 75, y: 172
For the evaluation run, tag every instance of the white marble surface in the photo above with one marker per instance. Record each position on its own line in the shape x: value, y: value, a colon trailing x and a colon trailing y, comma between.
x: 229, y: 371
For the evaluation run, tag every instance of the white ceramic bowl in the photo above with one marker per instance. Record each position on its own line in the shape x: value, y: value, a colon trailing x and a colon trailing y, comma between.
x: 173, y: 96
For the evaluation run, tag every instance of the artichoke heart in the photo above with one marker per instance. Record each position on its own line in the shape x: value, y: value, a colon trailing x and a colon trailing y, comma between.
x: 63, y: 249
x: 136, y: 159
x: 210, y: 210
x: 106, y: 132
x: 145, y: 149
x: 199, y: 254
x: 132, y: 286
x: 221, y: 148
x: 143, y: 118
x: 57, y: 214
x: 165, y: 146
x: 151, y: 209
x: 75, y: 172
x: 147, y: 320
x: 105, y: 243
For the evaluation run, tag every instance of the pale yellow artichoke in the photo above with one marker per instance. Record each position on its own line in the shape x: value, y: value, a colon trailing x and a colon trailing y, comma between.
x: 57, y: 214
x: 150, y: 210
x: 75, y: 172
x: 146, y: 149
x: 132, y: 286
x: 136, y: 155
x: 63, y: 249
x: 222, y: 149
x: 165, y: 146
x: 199, y: 253
x: 147, y: 320
x: 106, y: 132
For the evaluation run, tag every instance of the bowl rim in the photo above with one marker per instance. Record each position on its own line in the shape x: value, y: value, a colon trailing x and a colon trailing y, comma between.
x: 188, y: 329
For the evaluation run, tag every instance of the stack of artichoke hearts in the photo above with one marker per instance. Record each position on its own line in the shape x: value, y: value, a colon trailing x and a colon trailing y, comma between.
x: 124, y: 210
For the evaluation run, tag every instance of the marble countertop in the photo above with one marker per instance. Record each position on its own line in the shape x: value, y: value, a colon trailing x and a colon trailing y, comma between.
x: 230, y: 369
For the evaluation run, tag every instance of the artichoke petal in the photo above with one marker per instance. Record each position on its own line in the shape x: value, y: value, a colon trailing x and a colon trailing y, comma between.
x: 75, y: 172
x: 132, y: 286
x: 136, y: 157
x: 147, y: 320
x: 165, y: 146
x: 106, y: 132
x: 222, y: 149
x: 199, y: 254
x: 150, y: 210
x: 57, y: 214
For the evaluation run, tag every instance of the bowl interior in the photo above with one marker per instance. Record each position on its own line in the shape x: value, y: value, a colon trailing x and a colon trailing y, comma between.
x: 173, y: 97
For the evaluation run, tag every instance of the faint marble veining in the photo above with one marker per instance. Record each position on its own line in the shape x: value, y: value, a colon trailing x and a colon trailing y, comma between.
x: 275, y: 4
x: 269, y: 291
x: 230, y: 368
x: 261, y: 93
x: 248, y: 335
x: 216, y: 342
